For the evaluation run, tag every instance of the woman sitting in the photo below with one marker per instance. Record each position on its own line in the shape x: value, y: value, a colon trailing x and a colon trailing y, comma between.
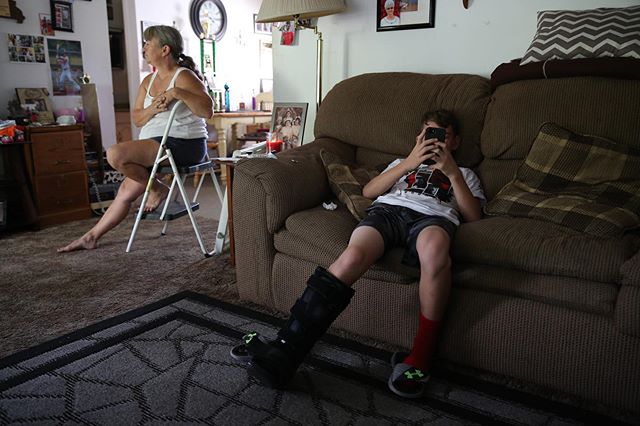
x: 175, y: 79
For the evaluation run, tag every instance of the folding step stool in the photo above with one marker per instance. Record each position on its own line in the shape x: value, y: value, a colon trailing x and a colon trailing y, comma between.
x: 173, y: 209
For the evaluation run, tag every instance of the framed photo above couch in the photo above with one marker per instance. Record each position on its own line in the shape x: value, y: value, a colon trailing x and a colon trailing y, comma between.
x: 394, y: 15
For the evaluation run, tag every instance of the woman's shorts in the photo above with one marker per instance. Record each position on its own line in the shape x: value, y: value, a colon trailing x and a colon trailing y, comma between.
x: 401, y: 226
x: 186, y: 152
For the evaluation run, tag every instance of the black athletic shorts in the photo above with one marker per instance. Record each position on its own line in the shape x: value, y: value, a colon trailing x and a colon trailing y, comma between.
x: 401, y: 226
x: 186, y: 152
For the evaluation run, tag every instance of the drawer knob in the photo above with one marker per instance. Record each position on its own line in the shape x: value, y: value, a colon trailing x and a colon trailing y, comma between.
x: 63, y: 161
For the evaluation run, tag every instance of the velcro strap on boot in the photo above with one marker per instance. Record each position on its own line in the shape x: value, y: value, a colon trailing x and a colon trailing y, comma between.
x: 319, y: 305
x: 336, y: 294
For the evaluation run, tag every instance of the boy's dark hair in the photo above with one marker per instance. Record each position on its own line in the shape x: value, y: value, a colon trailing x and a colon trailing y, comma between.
x: 444, y: 118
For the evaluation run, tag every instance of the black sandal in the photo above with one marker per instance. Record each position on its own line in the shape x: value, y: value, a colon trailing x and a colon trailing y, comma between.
x: 406, y: 380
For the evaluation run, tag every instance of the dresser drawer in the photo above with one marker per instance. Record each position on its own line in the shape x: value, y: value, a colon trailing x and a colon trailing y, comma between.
x: 61, y: 192
x: 58, y: 152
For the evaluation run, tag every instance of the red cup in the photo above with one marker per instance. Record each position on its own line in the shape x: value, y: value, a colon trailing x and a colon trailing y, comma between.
x: 274, y: 145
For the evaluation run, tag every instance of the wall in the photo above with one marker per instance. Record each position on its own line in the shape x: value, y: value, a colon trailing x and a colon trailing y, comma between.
x: 475, y: 41
x: 90, y: 27
x: 236, y: 53
x: 119, y: 75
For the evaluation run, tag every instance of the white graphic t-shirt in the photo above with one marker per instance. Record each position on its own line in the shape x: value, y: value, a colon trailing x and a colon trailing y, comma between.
x: 429, y: 191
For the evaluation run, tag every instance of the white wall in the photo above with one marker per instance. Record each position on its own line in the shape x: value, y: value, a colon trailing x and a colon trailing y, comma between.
x: 90, y: 27
x: 236, y: 53
x: 475, y: 40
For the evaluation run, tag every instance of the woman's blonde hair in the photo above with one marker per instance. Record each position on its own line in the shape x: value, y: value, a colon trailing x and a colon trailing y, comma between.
x: 169, y: 36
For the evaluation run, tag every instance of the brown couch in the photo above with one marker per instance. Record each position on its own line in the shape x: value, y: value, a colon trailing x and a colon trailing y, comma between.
x: 531, y: 300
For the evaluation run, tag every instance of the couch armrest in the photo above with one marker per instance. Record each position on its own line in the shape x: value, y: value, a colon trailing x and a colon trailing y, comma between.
x: 265, y: 193
x: 627, y: 313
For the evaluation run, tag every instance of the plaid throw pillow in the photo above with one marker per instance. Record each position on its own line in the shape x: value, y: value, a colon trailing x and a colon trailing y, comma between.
x: 347, y: 182
x: 595, y: 33
x: 587, y: 183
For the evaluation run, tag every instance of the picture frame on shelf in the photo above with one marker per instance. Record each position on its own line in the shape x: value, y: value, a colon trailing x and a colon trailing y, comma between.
x: 288, y: 121
x: 62, y: 15
x: 392, y: 15
x: 37, y: 100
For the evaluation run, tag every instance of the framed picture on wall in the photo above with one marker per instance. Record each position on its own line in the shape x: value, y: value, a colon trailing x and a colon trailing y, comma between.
x: 287, y: 122
x: 394, y: 15
x: 261, y: 28
x: 62, y: 15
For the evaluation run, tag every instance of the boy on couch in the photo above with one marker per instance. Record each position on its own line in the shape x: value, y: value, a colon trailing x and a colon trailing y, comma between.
x: 416, y: 205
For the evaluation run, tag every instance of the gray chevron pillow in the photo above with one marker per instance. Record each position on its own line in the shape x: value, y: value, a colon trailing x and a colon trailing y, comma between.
x: 595, y: 33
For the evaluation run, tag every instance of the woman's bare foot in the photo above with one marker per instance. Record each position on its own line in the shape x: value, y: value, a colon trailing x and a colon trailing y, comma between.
x: 86, y: 242
x: 156, y: 196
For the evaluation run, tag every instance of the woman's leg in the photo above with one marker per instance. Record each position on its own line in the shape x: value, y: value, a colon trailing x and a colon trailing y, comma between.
x: 132, y: 159
x: 129, y: 191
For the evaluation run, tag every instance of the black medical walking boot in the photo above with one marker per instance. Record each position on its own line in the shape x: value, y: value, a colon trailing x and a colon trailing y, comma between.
x: 274, y: 363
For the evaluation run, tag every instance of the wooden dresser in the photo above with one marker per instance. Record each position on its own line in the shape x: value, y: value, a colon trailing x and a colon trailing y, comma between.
x: 58, y: 170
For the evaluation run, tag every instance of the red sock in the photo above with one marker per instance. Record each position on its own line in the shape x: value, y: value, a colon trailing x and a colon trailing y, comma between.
x: 423, y: 344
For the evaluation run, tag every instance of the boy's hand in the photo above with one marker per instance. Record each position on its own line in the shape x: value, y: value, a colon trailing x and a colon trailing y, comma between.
x: 444, y: 160
x: 421, y: 152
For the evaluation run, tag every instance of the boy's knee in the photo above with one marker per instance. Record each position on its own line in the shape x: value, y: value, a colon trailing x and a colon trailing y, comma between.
x: 433, y: 250
x: 355, y: 256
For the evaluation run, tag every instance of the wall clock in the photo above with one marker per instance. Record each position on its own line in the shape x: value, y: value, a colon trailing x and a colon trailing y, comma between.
x: 208, y: 17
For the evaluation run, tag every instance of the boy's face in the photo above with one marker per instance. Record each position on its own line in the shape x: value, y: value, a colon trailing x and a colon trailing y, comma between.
x: 451, y: 139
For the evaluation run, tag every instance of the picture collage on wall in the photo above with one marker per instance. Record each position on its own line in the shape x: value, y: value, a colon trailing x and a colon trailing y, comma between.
x: 65, y: 59
x: 26, y: 48
x: 65, y: 56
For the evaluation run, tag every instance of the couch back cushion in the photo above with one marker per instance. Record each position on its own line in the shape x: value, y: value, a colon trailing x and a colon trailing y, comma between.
x: 382, y: 112
x: 588, y: 105
x: 587, y: 183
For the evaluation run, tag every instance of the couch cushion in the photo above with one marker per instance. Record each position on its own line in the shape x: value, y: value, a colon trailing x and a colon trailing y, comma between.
x: 320, y: 236
x: 347, y: 181
x: 627, y: 312
x: 518, y: 109
x: 594, y: 33
x: 367, y: 111
x: 587, y: 183
x: 571, y: 293
x: 540, y: 247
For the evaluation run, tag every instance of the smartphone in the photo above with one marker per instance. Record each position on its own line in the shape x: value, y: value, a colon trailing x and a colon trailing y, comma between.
x: 434, y: 133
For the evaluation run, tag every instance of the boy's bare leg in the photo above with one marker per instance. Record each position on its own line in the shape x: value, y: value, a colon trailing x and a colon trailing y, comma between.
x: 435, y: 283
x: 129, y: 191
x: 433, y: 245
x: 365, y: 247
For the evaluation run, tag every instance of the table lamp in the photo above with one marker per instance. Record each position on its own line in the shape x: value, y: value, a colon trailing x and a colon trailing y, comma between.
x: 297, y: 10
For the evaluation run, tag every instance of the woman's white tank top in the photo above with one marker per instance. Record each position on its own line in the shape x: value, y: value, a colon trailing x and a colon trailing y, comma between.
x: 185, y: 125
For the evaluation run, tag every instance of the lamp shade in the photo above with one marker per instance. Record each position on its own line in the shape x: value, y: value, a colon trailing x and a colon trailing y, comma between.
x: 285, y: 10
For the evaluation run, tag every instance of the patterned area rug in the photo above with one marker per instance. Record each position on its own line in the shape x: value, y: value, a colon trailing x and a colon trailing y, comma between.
x: 169, y: 362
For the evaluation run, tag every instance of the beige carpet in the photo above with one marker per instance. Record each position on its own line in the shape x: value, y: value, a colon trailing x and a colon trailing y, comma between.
x: 44, y: 294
